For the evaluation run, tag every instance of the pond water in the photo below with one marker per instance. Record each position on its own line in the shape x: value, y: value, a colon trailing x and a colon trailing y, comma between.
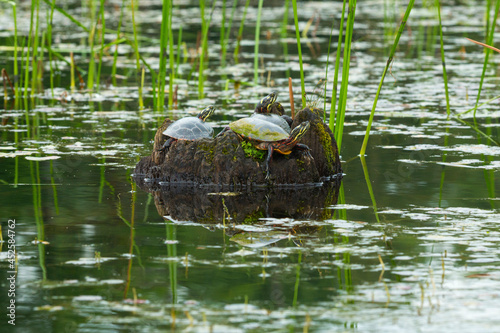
x: 410, y: 241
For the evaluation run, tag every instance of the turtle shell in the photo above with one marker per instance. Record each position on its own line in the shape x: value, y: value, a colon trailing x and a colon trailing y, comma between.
x: 273, y: 118
x: 258, y: 130
x: 189, y: 128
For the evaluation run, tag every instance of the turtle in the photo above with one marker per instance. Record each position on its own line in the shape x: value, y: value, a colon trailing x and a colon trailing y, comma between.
x: 269, y: 106
x: 273, y: 118
x: 264, y: 135
x: 189, y: 128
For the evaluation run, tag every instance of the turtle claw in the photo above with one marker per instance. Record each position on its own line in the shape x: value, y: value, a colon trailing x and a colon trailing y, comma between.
x: 308, y: 154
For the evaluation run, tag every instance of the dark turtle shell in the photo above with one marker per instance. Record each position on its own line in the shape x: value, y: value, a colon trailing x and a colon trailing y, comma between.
x: 259, y: 130
x: 273, y: 118
x: 189, y: 128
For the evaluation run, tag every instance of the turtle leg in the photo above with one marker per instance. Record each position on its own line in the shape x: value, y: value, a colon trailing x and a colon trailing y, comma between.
x: 223, y: 131
x: 166, y: 145
x: 269, y: 157
x: 301, y: 146
x: 288, y: 119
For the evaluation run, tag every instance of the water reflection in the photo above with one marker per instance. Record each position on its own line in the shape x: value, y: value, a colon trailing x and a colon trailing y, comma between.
x: 201, y: 205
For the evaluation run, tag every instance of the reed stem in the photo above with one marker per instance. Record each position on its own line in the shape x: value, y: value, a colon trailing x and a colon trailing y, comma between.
x: 256, y: 46
x: 339, y: 123
x: 299, y: 51
x: 171, y: 58
x: 333, y: 107
x: 445, y: 76
x: 160, y: 102
x: 115, y: 54
x: 240, y: 32
x: 489, y: 38
x: 389, y: 61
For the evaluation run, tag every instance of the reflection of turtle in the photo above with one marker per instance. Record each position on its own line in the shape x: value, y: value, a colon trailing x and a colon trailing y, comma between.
x: 189, y: 128
x: 268, y: 136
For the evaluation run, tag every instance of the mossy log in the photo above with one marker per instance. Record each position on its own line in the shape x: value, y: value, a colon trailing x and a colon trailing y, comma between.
x: 224, y: 162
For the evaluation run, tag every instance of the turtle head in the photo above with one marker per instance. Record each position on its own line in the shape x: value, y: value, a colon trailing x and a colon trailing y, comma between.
x: 266, y: 103
x: 206, y: 112
x: 299, y: 131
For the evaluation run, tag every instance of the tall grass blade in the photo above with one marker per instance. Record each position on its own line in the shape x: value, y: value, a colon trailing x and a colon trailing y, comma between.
x: 223, y: 34
x: 63, y: 12
x: 179, y: 46
x: 50, y: 16
x: 299, y: 51
x: 34, y: 61
x: 369, y: 185
x: 240, y: 32
x: 445, y: 79
x: 256, y: 46
x: 160, y: 102
x: 204, y: 46
x: 227, y: 30
x: 171, y: 58
x: 333, y: 107
x: 136, y: 51
x: 115, y: 54
x: 284, y: 25
x: 101, y: 51
x: 326, y: 70
x: 339, y: 123
x: 389, y: 61
x: 489, y: 41
x: 443, y: 61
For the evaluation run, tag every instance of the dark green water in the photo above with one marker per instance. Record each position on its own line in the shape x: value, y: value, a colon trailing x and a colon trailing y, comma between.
x: 304, y: 263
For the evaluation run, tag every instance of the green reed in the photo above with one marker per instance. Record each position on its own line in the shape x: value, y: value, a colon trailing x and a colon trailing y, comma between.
x: 136, y: 51
x: 101, y: 51
x: 299, y: 51
x: 171, y: 58
x: 389, y: 61
x: 35, y: 57
x: 333, y: 107
x: 445, y: 79
x: 225, y: 32
x: 205, y: 24
x: 179, y: 45
x: 256, y: 46
x: 50, y: 17
x: 342, y: 102
x: 489, y: 41
x: 27, y: 59
x: 52, y: 5
x: 115, y: 54
x: 240, y: 33
x: 165, y: 33
x: 443, y: 61
x: 326, y: 70
x: 283, y: 35
x: 369, y: 185
x: 297, y: 278
x: 91, y: 68
x: 16, y: 69
x: 222, y: 36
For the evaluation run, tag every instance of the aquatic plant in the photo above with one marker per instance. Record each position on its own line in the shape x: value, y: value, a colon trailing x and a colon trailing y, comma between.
x: 389, y: 61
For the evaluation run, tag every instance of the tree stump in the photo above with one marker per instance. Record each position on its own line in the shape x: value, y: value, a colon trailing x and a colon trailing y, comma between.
x: 227, y: 163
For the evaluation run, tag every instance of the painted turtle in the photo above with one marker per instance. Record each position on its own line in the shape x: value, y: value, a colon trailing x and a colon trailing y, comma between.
x: 189, y: 128
x: 269, y: 106
x: 267, y: 136
x: 264, y: 112
x: 273, y: 118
